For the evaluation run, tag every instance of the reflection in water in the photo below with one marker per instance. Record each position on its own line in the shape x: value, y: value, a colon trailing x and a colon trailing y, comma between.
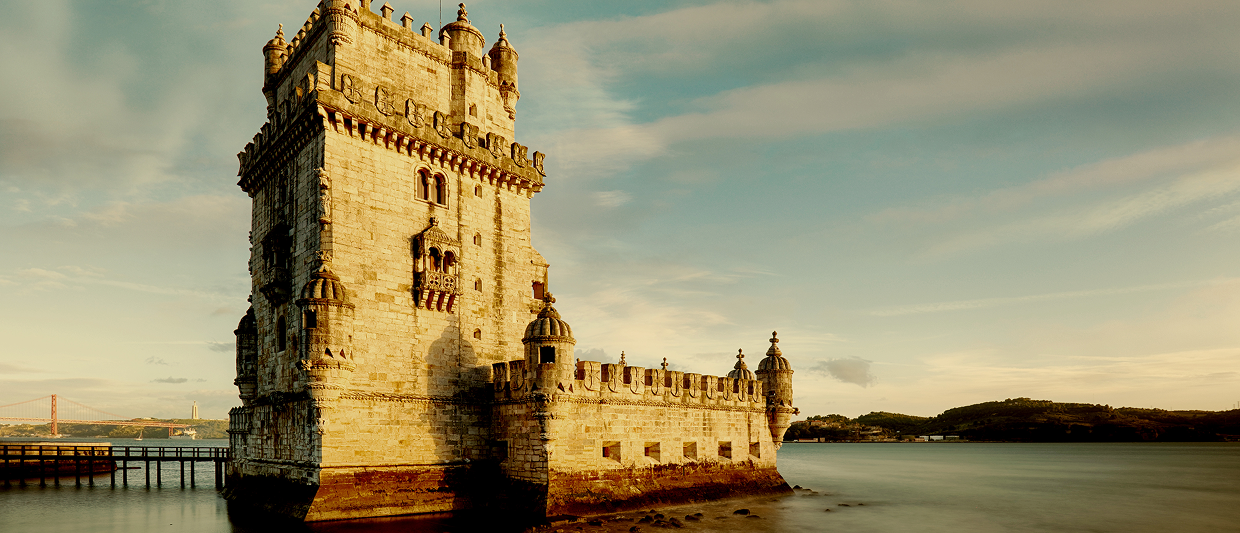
x: 849, y: 487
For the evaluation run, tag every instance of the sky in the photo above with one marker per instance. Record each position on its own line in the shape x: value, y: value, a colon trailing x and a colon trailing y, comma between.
x: 935, y: 203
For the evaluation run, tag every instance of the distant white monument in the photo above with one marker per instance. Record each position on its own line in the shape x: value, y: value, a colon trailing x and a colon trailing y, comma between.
x: 194, y: 412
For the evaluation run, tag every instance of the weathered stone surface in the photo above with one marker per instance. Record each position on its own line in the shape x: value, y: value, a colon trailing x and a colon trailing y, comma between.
x: 401, y: 354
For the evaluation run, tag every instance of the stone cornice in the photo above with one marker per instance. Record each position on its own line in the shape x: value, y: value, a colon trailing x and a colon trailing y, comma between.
x: 331, y: 111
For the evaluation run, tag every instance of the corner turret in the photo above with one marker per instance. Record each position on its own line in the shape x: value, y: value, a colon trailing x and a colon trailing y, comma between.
x: 327, y: 326
x: 463, y: 36
x: 549, y: 345
x: 274, y: 53
x: 247, y: 356
x: 776, y: 376
x: 504, y: 61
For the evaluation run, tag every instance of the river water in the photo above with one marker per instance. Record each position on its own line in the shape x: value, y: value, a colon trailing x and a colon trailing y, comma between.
x: 957, y: 487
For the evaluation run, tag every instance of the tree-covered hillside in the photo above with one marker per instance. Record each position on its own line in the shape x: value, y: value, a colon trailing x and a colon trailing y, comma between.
x: 1027, y: 420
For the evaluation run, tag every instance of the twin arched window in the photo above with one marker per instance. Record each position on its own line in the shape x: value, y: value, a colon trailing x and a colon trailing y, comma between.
x: 432, y: 188
x: 442, y: 262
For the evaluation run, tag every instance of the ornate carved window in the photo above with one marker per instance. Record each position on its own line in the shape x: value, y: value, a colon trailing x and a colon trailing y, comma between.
x: 435, y: 269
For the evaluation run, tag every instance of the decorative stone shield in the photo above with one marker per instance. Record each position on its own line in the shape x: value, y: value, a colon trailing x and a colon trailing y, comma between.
x: 350, y: 88
x: 383, y: 101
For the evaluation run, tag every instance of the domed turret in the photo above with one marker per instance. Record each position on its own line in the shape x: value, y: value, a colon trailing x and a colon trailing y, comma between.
x: 274, y: 53
x: 327, y: 333
x: 324, y: 285
x: 463, y: 36
x: 549, y: 348
x: 548, y: 327
x: 776, y: 376
x: 247, y: 356
x: 504, y: 62
x: 740, y: 371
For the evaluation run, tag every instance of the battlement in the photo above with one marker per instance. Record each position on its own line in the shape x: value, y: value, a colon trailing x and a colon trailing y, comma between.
x: 609, y: 382
x: 350, y: 71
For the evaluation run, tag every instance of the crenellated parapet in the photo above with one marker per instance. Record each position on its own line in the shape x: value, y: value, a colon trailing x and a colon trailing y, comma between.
x: 311, y: 81
x: 593, y: 381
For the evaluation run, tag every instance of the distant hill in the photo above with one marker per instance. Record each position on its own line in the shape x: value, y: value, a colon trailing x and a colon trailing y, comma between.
x: 1027, y: 420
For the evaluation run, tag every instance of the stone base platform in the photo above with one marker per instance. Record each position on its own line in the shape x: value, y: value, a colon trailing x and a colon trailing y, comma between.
x: 598, y: 492
x: 351, y: 493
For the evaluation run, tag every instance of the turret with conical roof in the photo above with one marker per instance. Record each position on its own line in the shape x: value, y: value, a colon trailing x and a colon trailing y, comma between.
x: 776, y: 376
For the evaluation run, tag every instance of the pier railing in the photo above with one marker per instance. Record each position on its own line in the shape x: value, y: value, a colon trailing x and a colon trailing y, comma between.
x: 23, y: 462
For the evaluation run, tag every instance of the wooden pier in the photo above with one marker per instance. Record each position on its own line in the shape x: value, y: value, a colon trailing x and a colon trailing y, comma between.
x: 23, y: 462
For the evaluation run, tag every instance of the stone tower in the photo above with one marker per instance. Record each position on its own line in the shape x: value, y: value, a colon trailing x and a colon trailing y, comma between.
x: 401, y: 353
x: 391, y: 265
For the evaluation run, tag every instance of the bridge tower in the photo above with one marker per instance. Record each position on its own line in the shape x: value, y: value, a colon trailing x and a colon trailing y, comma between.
x: 391, y: 265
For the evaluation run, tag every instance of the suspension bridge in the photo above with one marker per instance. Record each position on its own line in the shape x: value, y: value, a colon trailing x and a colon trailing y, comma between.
x: 53, y: 410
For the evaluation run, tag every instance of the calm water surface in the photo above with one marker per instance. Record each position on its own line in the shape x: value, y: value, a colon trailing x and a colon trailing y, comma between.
x: 867, y: 487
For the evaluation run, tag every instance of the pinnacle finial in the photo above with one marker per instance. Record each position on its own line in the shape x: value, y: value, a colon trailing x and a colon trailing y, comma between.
x: 664, y: 363
x: 434, y: 221
x: 548, y: 298
x: 740, y: 354
x: 622, y: 357
x: 774, y: 337
x: 280, y: 32
x: 461, y: 14
x: 502, y: 35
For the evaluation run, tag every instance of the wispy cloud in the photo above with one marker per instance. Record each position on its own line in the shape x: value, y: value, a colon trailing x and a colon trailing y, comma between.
x: 853, y: 370
x: 220, y: 346
x: 980, y: 303
x: 1072, y: 223
x: 170, y: 379
x: 73, y: 277
x: 612, y: 198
